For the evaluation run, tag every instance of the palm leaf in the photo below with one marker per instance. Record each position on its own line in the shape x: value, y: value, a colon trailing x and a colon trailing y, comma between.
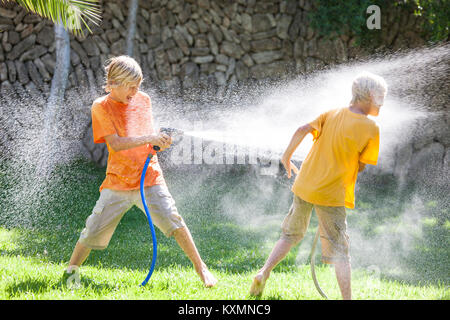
x: 73, y: 14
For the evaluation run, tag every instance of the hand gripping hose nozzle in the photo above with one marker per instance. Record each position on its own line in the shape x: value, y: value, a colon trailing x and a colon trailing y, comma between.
x: 170, y: 132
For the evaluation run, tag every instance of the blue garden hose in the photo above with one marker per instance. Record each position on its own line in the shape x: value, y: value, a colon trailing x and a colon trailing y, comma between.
x: 172, y: 132
x: 149, y: 218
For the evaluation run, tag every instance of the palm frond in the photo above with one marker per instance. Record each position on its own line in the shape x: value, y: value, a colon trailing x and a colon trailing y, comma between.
x: 73, y: 14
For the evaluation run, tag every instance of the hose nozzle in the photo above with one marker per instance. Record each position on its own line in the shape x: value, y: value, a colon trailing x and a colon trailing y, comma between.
x: 172, y: 131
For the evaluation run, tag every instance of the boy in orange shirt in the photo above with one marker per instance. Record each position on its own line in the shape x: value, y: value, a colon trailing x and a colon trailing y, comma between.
x: 345, y: 140
x: 123, y: 120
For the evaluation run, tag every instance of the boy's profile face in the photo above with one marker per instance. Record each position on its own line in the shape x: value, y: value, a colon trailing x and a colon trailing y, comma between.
x: 376, y: 102
x: 125, y: 93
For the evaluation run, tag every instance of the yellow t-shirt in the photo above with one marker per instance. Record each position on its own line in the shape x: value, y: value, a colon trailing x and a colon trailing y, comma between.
x: 328, y: 174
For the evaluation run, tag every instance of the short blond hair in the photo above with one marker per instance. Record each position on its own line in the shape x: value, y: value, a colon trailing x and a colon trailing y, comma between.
x: 122, y: 70
x: 367, y: 84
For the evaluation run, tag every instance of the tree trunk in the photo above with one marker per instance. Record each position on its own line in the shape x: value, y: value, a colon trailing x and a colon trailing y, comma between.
x: 132, y: 13
x: 51, y: 137
x: 61, y: 74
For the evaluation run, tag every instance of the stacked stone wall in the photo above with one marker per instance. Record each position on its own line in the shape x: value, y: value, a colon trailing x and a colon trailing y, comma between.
x: 183, y: 43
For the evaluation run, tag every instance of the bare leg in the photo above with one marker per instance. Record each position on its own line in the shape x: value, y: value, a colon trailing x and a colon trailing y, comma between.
x: 79, y: 255
x: 279, y: 251
x: 185, y: 241
x: 343, y: 276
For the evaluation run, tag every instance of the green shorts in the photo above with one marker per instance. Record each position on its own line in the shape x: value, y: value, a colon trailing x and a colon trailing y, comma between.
x: 113, y: 204
x: 332, y: 228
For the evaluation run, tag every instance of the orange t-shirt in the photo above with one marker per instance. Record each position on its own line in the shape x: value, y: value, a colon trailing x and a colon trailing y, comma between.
x: 124, y: 168
x: 328, y: 174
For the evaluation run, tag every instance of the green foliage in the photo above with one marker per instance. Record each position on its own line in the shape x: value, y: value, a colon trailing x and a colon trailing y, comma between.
x: 436, y: 17
x: 332, y: 18
x: 73, y: 14
x: 338, y: 17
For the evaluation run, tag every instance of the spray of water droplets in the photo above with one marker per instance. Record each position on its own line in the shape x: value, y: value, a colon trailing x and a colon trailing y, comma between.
x: 37, y: 140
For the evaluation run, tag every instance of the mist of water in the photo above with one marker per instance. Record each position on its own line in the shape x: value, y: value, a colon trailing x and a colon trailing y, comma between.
x: 270, y: 121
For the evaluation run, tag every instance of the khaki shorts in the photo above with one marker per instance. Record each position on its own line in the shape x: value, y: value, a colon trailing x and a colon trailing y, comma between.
x: 113, y: 204
x: 332, y: 228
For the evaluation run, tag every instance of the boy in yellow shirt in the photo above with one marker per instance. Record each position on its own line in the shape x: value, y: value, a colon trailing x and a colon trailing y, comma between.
x: 345, y: 140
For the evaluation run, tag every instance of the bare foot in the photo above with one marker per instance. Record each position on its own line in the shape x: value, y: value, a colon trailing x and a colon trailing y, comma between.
x: 208, y: 279
x: 259, y: 281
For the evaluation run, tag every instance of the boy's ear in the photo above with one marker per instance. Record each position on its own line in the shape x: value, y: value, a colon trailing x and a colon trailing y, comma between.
x: 109, y: 85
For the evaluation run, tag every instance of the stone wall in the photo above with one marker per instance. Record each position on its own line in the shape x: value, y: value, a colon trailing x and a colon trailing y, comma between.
x: 188, y: 40
x: 181, y: 44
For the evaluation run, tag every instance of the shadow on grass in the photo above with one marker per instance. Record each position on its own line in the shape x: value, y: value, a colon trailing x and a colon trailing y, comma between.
x: 40, y: 286
x: 273, y: 297
x: 29, y: 285
x: 429, y: 262
x: 94, y: 285
x: 410, y: 226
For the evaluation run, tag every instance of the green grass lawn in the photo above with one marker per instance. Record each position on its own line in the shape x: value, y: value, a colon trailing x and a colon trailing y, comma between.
x: 235, y: 220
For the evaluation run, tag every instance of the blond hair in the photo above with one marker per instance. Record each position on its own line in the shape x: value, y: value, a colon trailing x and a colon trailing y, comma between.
x: 122, y: 70
x: 366, y: 85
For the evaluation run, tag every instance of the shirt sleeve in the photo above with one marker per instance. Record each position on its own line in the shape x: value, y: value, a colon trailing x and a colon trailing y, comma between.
x: 369, y: 155
x: 317, y: 125
x: 102, y: 125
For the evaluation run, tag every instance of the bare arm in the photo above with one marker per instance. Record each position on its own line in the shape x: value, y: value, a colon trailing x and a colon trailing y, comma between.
x: 118, y: 143
x: 296, y: 139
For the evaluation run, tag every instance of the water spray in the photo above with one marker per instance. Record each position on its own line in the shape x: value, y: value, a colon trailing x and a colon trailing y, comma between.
x: 171, y: 132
